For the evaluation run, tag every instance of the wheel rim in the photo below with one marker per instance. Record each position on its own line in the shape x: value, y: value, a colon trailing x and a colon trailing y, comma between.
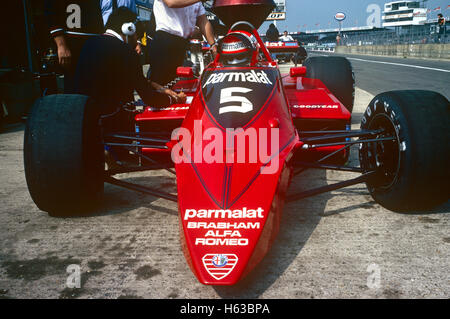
x: 384, y: 156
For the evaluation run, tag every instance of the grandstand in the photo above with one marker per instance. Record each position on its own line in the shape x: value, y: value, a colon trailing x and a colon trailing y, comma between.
x: 423, y: 33
x: 404, y: 22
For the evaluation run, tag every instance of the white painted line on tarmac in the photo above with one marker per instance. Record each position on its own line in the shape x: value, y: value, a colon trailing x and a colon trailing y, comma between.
x: 362, y: 100
x: 398, y: 64
x: 401, y: 64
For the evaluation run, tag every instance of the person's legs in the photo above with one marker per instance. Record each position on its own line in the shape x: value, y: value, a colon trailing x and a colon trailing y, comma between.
x: 167, y: 53
x: 75, y: 45
x: 195, y: 62
x: 201, y: 61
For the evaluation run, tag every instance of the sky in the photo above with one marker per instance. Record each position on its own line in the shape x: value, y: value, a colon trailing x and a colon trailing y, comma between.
x: 311, y: 12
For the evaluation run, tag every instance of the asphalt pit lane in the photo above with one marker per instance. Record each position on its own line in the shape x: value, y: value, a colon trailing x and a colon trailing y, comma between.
x: 35, y: 269
x: 146, y: 272
x: 428, y: 220
x: 96, y: 265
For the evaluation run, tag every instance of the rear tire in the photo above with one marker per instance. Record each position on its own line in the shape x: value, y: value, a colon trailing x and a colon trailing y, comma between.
x: 337, y: 75
x: 2, y: 115
x: 63, y: 155
x: 300, y: 56
x: 412, y: 172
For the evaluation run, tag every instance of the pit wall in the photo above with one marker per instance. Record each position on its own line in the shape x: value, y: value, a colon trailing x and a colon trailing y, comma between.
x: 427, y: 51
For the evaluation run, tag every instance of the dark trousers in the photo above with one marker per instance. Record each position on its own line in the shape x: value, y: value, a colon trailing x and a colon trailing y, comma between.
x: 167, y: 52
x: 75, y: 44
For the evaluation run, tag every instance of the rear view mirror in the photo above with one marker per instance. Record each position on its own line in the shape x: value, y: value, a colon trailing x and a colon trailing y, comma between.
x: 185, y: 72
x: 298, y: 72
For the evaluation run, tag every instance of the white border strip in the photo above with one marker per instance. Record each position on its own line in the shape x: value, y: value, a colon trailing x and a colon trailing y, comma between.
x: 401, y: 64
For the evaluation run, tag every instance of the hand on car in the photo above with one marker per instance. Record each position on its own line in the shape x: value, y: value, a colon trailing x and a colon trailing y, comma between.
x: 214, y: 51
x: 139, y: 49
x: 182, y: 98
x: 177, y: 98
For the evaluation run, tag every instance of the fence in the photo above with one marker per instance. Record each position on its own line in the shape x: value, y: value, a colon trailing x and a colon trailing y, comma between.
x: 424, y: 51
x: 394, y: 37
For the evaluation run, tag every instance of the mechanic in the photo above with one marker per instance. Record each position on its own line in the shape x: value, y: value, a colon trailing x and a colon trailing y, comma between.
x: 70, y: 23
x: 175, y: 22
x: 109, y: 70
x: 441, y: 27
x: 272, y: 33
x: 196, y: 50
x: 286, y: 37
x: 108, y: 6
x: 338, y: 40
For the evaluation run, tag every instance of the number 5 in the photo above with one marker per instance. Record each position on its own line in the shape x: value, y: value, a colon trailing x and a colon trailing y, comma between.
x: 226, y: 96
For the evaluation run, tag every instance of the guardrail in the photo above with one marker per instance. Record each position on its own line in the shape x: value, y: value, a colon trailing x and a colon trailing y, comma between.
x: 430, y: 51
x: 421, y: 36
x: 321, y: 49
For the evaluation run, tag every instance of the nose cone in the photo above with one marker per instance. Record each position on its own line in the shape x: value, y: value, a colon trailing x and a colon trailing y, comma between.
x: 253, y: 11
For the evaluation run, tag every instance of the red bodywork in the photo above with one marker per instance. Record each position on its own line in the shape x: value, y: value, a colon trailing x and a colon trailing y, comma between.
x: 230, y: 211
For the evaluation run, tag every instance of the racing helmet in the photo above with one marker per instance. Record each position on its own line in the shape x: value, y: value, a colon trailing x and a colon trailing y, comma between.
x: 237, y: 48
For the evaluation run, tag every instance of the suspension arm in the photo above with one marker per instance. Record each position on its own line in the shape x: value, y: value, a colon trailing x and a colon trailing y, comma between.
x: 384, y: 139
x: 347, y: 134
x: 142, y: 189
x: 328, y: 188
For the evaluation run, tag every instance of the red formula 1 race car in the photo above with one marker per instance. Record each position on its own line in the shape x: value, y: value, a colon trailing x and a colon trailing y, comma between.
x: 245, y: 131
x: 287, y: 51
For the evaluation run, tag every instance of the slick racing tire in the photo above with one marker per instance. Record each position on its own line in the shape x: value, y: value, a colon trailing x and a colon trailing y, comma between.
x: 63, y: 155
x: 337, y: 75
x: 2, y: 116
x: 411, y: 170
x: 300, y: 56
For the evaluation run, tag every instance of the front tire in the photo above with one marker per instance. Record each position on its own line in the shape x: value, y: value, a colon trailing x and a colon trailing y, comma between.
x: 412, y: 172
x: 63, y: 155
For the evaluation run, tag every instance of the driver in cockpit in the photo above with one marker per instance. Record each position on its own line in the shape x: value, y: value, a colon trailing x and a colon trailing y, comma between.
x: 237, y: 49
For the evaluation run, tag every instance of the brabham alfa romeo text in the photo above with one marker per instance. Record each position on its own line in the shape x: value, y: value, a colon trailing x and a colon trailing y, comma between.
x: 212, y: 225
x: 221, y: 241
x: 217, y: 233
x: 223, y: 233
x: 245, y: 213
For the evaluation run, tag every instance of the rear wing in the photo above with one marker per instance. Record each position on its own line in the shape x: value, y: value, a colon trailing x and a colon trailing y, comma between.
x: 282, y: 47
